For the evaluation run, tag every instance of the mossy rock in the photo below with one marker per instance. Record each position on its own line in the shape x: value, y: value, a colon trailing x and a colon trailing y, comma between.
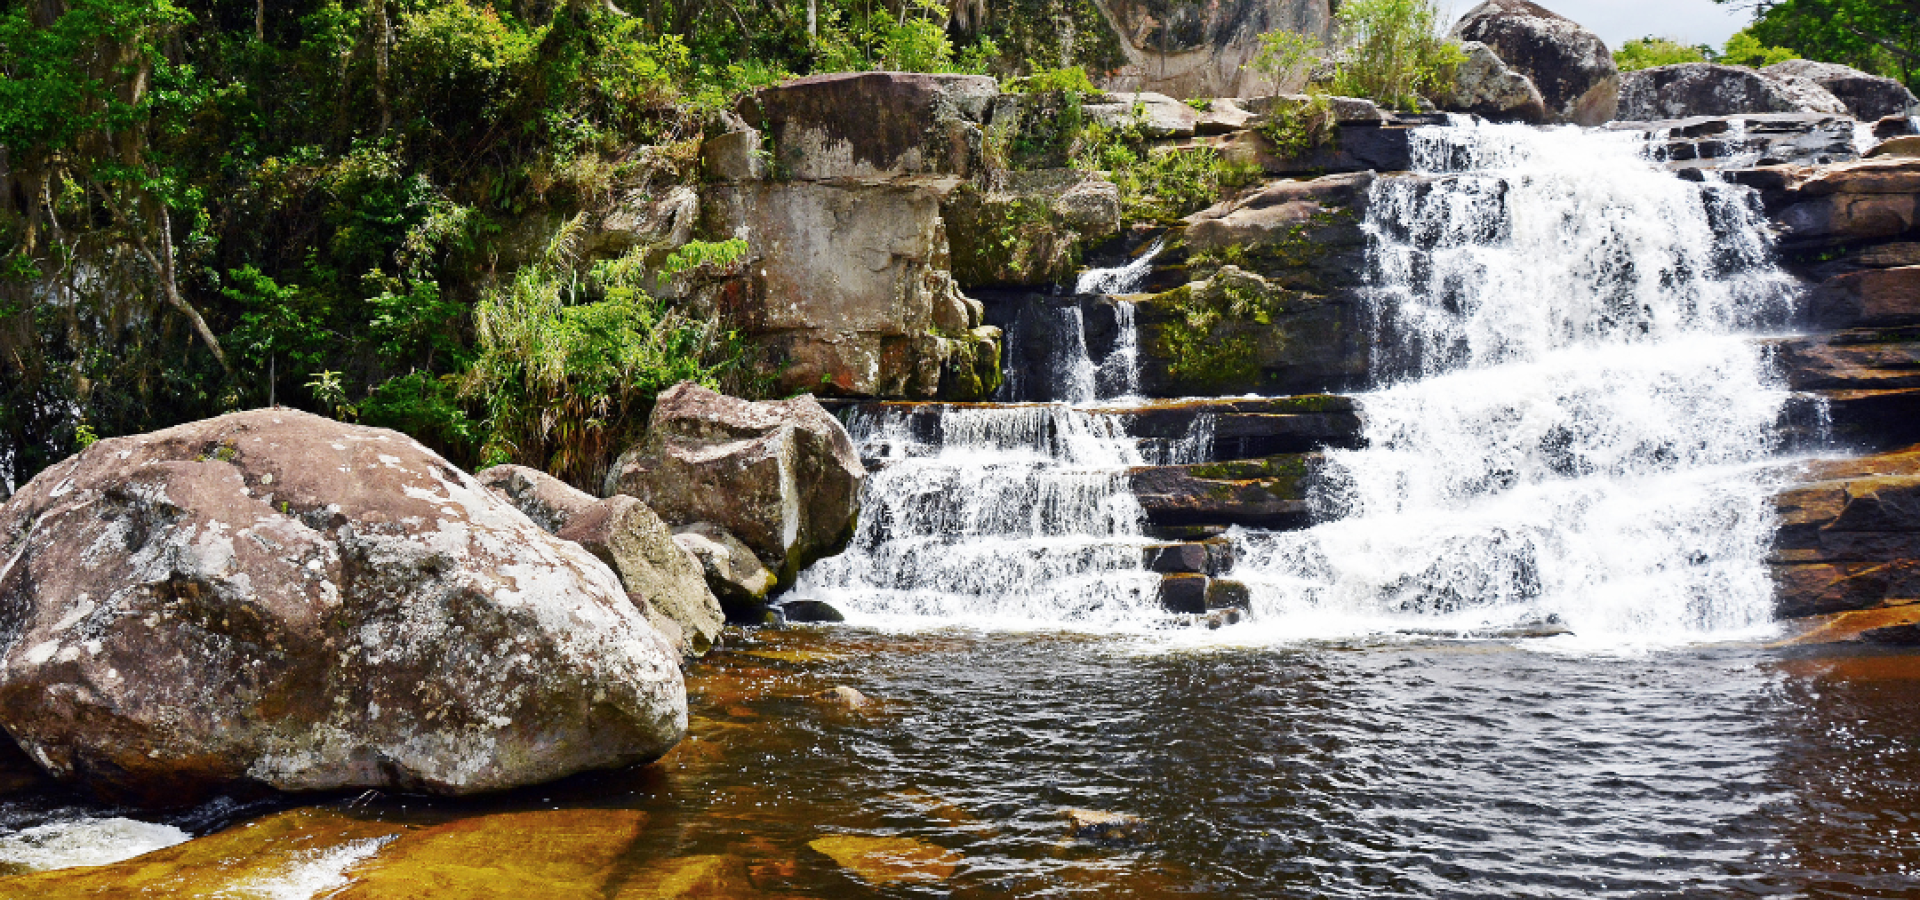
x: 1237, y: 332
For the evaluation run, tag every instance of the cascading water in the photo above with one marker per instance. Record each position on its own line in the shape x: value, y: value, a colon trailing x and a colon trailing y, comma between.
x: 1573, y: 423
x: 1011, y: 514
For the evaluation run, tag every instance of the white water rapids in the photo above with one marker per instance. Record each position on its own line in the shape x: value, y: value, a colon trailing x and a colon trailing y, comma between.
x: 1571, y: 427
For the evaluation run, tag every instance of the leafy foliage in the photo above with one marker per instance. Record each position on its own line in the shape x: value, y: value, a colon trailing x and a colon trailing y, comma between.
x: 1877, y: 36
x: 1743, y: 49
x: 1647, y: 52
x: 1392, y: 51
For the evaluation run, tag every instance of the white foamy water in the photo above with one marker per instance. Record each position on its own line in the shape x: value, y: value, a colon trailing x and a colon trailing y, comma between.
x: 1576, y: 425
x: 84, y: 842
x: 1014, y: 516
x: 1119, y: 279
x: 309, y: 875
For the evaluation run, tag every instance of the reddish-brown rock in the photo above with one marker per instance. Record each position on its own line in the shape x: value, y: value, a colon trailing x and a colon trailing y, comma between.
x: 279, y: 599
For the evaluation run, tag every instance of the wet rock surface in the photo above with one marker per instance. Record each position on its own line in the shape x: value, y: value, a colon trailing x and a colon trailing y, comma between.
x: 1849, y: 537
x: 1265, y: 493
x: 781, y: 476
x: 275, y: 599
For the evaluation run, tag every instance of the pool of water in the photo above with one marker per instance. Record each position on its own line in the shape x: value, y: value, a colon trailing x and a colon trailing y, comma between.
x: 1364, y: 769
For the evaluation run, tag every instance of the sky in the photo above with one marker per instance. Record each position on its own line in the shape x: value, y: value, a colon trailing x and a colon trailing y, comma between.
x: 1618, y: 21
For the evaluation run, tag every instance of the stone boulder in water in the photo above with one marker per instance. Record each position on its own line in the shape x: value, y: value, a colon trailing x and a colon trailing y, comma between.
x: 1707, y: 89
x: 1867, y: 97
x: 782, y: 476
x: 661, y: 578
x: 278, y: 599
x: 1572, y: 68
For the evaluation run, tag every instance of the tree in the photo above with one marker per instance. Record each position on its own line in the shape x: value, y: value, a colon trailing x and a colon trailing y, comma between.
x: 1647, y: 52
x: 1877, y: 36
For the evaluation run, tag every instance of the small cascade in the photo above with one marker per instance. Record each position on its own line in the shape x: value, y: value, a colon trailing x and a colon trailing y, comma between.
x: 1009, y: 514
x: 1572, y: 419
x: 1019, y: 513
x: 1124, y: 279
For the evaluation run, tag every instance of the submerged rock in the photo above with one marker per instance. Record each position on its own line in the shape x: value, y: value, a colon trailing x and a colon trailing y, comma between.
x: 1572, y: 68
x: 781, y: 476
x: 278, y: 599
x: 889, y: 860
x: 1108, y: 827
x: 661, y: 577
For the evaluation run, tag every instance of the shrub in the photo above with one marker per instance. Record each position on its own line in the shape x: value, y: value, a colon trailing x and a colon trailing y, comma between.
x: 1392, y: 51
x: 1288, y: 58
x: 569, y: 362
x: 1647, y: 52
x: 1743, y: 49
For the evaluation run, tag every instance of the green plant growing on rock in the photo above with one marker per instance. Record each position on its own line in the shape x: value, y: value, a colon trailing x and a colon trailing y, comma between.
x: 1288, y: 58
x: 1299, y: 129
x: 1745, y: 49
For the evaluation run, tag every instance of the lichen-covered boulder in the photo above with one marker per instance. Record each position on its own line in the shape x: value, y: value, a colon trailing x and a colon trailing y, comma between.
x: 657, y: 572
x: 1154, y: 115
x: 1571, y: 66
x: 661, y: 579
x: 278, y: 599
x: 1867, y: 97
x: 1708, y: 89
x: 1485, y: 86
x: 782, y: 476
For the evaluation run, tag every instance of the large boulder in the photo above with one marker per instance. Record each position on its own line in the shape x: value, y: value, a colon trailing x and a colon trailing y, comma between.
x: 1572, y: 68
x: 1485, y: 86
x: 273, y: 598
x: 781, y: 476
x: 1708, y: 89
x: 1197, y: 49
x: 845, y: 288
x: 1867, y: 97
x: 662, y: 579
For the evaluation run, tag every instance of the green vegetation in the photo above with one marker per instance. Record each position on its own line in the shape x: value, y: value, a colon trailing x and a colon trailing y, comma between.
x: 1877, y: 36
x: 1647, y: 52
x: 208, y: 205
x: 1742, y: 49
x: 1389, y: 51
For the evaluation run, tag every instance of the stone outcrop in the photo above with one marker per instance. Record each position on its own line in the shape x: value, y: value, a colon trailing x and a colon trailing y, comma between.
x: 781, y: 476
x: 1154, y: 115
x: 1572, y: 68
x: 1867, y: 97
x: 1708, y: 89
x: 1027, y: 227
x: 1200, y: 50
x: 1485, y: 86
x: 661, y: 579
x: 1849, y: 537
x: 848, y: 287
x: 1773, y: 139
x: 1870, y: 200
x: 272, y: 598
x: 1261, y: 493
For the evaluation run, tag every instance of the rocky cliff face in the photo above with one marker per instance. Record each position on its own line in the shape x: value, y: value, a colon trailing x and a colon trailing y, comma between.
x: 1187, y: 49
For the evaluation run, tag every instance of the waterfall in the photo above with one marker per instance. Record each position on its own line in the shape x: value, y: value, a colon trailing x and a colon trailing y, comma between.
x: 1011, y: 515
x: 1572, y: 422
x: 1014, y: 514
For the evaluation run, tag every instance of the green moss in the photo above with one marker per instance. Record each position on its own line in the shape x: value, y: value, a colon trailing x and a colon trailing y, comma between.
x: 1204, y: 337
